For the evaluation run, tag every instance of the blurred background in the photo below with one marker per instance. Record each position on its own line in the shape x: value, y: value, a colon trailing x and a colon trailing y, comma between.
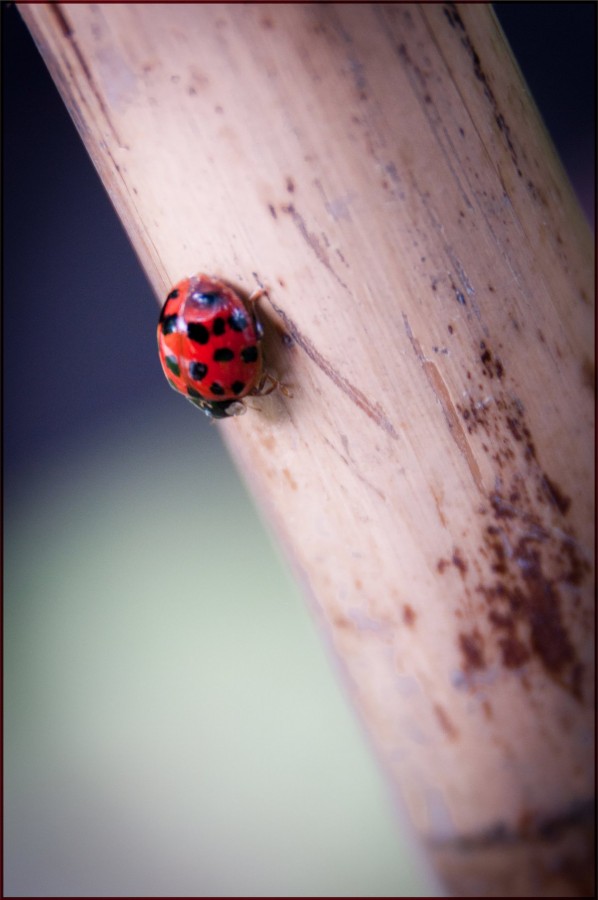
x: 173, y: 722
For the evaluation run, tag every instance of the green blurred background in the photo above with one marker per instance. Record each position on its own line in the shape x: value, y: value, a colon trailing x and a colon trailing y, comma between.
x: 173, y: 725
x: 173, y: 722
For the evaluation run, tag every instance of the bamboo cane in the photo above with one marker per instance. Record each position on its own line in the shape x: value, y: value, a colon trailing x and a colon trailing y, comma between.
x: 383, y: 171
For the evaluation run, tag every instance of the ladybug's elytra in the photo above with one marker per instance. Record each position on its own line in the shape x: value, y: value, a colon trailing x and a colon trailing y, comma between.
x: 209, y: 345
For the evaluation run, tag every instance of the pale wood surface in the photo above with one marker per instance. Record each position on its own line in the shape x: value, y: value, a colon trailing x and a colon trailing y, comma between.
x: 385, y: 173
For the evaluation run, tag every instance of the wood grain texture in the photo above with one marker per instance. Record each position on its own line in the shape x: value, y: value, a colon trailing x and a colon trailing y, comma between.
x: 384, y: 172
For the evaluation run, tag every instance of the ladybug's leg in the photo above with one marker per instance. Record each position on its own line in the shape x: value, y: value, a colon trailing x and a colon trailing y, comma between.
x: 257, y: 295
x: 252, y: 302
x: 269, y: 383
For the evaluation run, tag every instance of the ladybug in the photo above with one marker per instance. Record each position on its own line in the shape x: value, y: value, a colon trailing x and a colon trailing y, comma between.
x: 209, y: 345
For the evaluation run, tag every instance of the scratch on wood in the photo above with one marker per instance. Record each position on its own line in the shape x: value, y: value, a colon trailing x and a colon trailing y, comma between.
x: 372, y: 410
x: 350, y: 462
x: 313, y: 241
x: 450, y: 413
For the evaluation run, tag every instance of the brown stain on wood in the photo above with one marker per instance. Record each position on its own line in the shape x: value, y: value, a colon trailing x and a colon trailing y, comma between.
x: 445, y: 722
x: 409, y: 615
x: 291, y: 481
x: 471, y: 645
x: 533, y: 561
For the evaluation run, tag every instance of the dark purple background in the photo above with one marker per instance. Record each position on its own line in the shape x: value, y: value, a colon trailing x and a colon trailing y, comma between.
x: 79, y: 315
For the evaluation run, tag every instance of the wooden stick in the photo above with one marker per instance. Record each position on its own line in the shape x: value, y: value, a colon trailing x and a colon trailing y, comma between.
x: 383, y: 171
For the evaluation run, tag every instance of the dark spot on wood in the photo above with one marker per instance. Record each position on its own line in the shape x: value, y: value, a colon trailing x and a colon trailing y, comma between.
x: 290, y: 185
x: 459, y: 563
x: 287, y: 474
x: 492, y: 365
x: 524, y: 603
x: 555, y: 495
x: 445, y: 723
x: 502, y: 508
x: 577, y: 568
x: 272, y: 211
x: 409, y: 615
x: 472, y: 650
x: 514, y: 652
x: 588, y: 374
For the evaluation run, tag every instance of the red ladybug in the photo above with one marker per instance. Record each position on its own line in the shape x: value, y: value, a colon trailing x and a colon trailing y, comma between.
x: 209, y: 345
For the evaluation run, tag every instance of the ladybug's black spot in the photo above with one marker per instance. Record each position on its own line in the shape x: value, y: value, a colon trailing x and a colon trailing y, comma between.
x: 217, y: 389
x: 173, y: 295
x: 172, y: 384
x: 193, y: 393
x: 168, y: 324
x: 238, y: 320
x: 223, y: 354
x: 166, y: 305
x: 173, y: 365
x: 197, y: 371
x: 198, y: 332
x: 249, y: 354
x: 237, y: 387
x: 219, y: 325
